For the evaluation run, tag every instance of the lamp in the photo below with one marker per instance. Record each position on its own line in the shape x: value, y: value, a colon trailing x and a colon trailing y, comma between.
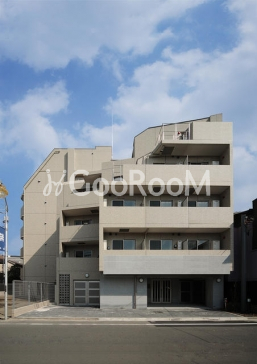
x: 141, y: 280
x: 3, y: 194
x: 218, y: 280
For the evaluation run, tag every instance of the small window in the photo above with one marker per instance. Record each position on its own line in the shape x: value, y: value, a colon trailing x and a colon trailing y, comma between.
x: 202, y: 204
x: 129, y: 203
x: 79, y: 254
x: 161, y: 244
x: 203, y: 245
x: 155, y: 244
x: 192, y: 245
x: 166, y: 244
x: 117, y: 244
x: 87, y: 253
x: 166, y: 203
x: 83, y: 253
x: 129, y: 244
x: 155, y: 203
x: 126, y: 244
x: 117, y: 203
x: 191, y: 203
x: 82, y: 222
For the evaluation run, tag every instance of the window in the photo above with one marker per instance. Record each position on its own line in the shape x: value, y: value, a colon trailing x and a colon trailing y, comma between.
x: 83, y: 253
x: 202, y: 204
x: 156, y: 203
x: 203, y: 244
x: 117, y: 203
x: 191, y: 203
x: 192, y: 245
x: 82, y: 222
x: 123, y: 203
x: 198, y: 244
x: 166, y: 203
x: 125, y: 244
x: 161, y: 244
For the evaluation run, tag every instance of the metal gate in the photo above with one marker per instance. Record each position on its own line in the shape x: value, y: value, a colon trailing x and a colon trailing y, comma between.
x: 161, y: 291
x: 86, y: 293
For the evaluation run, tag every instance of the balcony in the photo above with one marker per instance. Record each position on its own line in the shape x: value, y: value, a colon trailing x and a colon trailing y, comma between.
x: 166, y: 217
x: 220, y: 175
x: 78, y: 264
x: 167, y: 262
x: 22, y: 212
x: 76, y: 233
x: 22, y: 232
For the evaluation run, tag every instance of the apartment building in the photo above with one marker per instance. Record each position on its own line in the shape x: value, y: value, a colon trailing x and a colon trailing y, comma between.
x: 151, y: 230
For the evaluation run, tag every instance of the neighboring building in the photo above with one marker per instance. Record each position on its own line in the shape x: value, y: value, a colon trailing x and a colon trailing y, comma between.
x: 138, y: 249
x: 248, y: 260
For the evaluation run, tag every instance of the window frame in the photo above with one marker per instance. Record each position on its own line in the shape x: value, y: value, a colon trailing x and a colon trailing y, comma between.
x: 161, y: 243
x: 124, y: 242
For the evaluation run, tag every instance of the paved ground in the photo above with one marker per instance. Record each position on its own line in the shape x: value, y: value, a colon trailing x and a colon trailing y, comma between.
x: 149, y: 343
x: 90, y: 313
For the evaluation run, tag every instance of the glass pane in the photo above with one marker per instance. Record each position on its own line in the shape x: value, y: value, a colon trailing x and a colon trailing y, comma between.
x: 80, y: 293
x: 117, y: 244
x: 129, y: 244
x: 117, y: 203
x: 166, y: 203
x: 78, y: 222
x: 191, y: 203
x: 87, y: 253
x: 154, y: 203
x: 202, y: 204
x: 155, y: 245
x: 94, y: 293
x: 129, y: 203
x: 203, y: 244
x: 79, y: 254
x: 80, y: 284
x: 79, y: 299
x: 192, y: 244
x: 94, y: 285
x: 166, y: 244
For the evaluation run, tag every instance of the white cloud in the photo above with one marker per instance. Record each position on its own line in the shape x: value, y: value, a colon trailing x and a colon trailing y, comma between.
x: 26, y: 124
x: 46, y: 34
x: 193, y: 84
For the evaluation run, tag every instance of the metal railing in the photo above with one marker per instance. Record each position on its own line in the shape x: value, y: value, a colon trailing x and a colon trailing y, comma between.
x: 25, y: 293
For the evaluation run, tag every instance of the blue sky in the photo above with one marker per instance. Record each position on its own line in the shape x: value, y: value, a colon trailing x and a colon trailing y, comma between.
x: 66, y: 66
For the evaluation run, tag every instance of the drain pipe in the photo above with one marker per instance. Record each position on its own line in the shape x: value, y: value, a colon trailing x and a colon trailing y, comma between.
x: 135, y: 293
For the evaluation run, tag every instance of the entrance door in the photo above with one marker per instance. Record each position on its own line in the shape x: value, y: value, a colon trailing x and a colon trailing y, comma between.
x: 86, y: 293
x: 161, y: 291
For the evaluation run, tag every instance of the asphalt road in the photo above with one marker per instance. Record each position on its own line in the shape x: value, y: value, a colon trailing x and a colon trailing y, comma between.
x: 61, y: 343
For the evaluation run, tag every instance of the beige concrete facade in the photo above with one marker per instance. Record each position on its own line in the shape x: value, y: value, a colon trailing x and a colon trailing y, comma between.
x: 154, y: 229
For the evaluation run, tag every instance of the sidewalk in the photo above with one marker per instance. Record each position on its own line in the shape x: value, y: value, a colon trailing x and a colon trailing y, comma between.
x: 174, y: 314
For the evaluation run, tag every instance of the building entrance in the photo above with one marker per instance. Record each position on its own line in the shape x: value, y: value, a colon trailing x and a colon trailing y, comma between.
x: 161, y: 291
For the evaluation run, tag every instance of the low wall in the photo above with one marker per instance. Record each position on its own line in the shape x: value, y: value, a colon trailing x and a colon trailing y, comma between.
x: 21, y: 310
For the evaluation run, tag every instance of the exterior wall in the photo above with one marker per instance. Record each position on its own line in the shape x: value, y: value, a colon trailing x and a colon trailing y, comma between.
x: 41, y: 213
x: 116, y: 291
x: 215, y: 293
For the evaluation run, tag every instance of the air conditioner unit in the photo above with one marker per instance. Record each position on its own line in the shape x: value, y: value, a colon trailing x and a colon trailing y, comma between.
x: 179, y: 244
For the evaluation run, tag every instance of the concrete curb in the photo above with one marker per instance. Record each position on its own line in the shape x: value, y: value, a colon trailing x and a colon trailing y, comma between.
x: 140, y: 319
